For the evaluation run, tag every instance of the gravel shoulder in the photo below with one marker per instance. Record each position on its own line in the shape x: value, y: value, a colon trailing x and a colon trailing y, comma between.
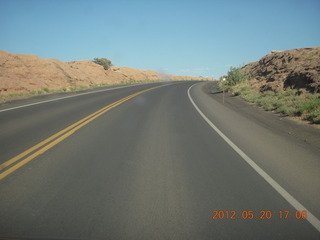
x: 301, y: 130
x: 286, y: 150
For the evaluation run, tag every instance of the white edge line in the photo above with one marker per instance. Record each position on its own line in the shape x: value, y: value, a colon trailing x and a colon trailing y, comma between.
x: 57, y: 99
x: 287, y: 196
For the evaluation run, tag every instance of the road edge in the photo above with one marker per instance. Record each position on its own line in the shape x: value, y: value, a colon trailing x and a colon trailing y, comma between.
x: 287, y: 196
x: 70, y: 96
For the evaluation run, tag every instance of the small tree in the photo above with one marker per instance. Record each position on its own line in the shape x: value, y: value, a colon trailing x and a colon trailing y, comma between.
x: 105, y: 62
x: 235, y: 76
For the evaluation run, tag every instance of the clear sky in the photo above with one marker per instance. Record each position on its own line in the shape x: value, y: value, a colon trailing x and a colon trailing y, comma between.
x: 181, y: 37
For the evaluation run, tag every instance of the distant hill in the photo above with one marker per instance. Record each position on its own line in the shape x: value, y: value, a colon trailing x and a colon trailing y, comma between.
x: 21, y: 73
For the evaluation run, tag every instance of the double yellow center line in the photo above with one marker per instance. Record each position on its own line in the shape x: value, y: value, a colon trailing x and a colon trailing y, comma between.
x: 16, y: 162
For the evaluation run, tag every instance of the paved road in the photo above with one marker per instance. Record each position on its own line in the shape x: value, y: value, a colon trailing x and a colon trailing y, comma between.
x: 151, y: 167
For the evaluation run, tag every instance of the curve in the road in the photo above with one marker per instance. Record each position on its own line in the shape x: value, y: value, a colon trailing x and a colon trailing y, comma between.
x: 60, y: 136
x: 295, y: 203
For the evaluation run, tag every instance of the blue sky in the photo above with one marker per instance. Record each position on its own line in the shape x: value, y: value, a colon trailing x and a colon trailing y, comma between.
x: 181, y: 37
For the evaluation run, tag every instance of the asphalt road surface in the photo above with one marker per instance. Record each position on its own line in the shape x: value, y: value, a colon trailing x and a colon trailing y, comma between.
x: 152, y: 161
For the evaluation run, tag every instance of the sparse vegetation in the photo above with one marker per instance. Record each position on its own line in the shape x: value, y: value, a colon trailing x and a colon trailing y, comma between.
x: 94, y: 85
x: 80, y: 88
x: 36, y: 92
x: 105, y: 62
x: 133, y: 81
x: 46, y: 90
x: 12, y: 96
x: 290, y: 102
x: 235, y: 76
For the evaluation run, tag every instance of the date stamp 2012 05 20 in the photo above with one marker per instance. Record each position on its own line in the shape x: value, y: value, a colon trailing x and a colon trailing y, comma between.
x: 263, y: 214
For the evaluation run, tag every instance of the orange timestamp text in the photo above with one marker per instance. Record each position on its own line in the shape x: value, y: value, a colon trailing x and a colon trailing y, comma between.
x: 263, y: 214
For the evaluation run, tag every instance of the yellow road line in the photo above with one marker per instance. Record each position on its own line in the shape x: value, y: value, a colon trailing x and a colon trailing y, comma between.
x: 60, y: 136
x: 21, y: 155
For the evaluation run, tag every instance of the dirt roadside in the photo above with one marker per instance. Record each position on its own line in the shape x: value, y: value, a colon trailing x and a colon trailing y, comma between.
x: 301, y: 130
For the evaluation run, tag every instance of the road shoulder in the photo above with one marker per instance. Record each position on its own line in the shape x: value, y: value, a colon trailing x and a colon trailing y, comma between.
x: 301, y: 130
x: 290, y: 160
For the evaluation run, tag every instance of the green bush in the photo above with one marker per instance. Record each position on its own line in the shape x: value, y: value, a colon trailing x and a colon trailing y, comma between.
x: 46, y: 90
x: 290, y: 102
x: 287, y: 110
x: 236, y: 75
x: 267, y: 100
x: 82, y: 87
x: 36, y: 92
x: 311, y: 104
x: 94, y: 85
x: 306, y: 105
x: 313, y: 116
x: 223, y: 85
x: 250, y: 95
x: 105, y: 62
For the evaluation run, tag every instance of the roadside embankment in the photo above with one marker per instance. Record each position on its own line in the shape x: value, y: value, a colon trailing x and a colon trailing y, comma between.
x: 287, y: 82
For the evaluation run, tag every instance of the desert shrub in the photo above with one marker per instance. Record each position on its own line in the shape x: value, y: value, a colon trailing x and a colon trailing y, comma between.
x: 223, y: 85
x: 36, y: 92
x: 94, y: 85
x: 81, y: 87
x: 289, y: 102
x: 236, y: 75
x: 236, y: 91
x: 306, y: 105
x: 310, y: 108
x: 313, y: 116
x: 239, y: 88
x: 105, y: 62
x: 312, y: 103
x: 250, y: 95
x: 290, y: 92
x: 46, y: 90
x: 267, y: 100
x: 287, y: 110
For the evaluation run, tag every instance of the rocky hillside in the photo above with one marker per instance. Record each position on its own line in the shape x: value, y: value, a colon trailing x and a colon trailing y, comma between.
x: 296, y: 68
x: 21, y: 73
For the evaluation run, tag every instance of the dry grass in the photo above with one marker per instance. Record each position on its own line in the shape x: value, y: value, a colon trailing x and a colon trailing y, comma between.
x: 290, y: 102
